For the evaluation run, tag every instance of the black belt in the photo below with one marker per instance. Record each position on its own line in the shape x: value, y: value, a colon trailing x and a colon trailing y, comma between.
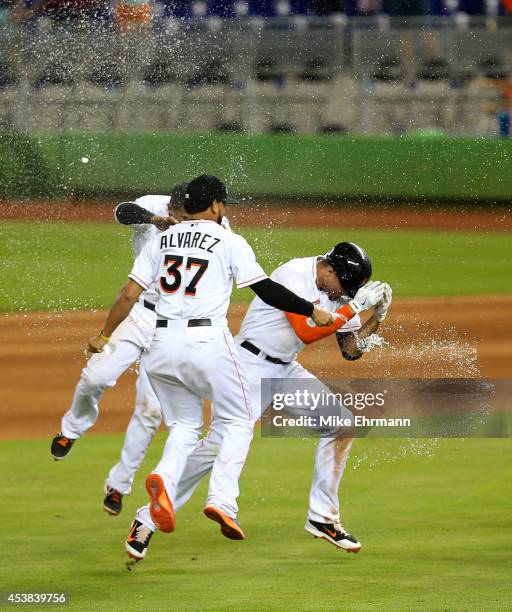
x: 191, y: 323
x: 149, y: 305
x: 249, y: 346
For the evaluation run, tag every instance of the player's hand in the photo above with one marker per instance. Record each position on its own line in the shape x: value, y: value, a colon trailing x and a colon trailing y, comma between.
x: 367, y: 297
x: 95, y: 344
x: 381, y: 309
x: 322, y: 317
x: 163, y: 223
x: 225, y: 224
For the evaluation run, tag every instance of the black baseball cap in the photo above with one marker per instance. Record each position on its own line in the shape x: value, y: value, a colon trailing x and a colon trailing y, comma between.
x: 351, y: 264
x: 178, y: 194
x: 203, y: 190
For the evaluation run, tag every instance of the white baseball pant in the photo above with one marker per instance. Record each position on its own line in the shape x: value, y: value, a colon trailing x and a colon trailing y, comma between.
x: 331, y: 453
x: 186, y: 364
x: 141, y: 429
x: 128, y: 344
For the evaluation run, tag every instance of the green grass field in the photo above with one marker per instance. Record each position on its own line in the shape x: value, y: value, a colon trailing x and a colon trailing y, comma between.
x: 47, y: 266
x: 434, y: 518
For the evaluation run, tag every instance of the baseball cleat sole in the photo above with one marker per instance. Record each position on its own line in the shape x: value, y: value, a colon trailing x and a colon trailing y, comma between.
x: 316, y: 533
x: 133, y: 554
x: 228, y: 526
x: 161, y: 509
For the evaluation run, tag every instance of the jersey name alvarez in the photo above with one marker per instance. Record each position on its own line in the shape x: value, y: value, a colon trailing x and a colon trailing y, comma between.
x: 268, y: 328
x: 193, y: 265
x: 189, y: 239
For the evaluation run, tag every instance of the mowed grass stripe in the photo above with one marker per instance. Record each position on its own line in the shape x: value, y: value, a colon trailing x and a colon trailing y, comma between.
x: 53, y: 266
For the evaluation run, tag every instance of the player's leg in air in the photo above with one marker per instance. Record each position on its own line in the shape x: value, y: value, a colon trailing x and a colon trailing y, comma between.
x: 140, y: 432
x: 101, y: 372
x: 216, y: 374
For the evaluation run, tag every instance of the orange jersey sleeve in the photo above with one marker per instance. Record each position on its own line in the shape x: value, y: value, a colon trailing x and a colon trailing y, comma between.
x: 308, y: 333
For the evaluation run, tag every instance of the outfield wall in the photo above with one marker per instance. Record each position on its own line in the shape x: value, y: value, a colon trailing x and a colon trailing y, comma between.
x: 265, y: 165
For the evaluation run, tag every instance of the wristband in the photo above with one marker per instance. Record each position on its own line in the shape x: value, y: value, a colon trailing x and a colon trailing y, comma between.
x: 355, y: 307
x: 103, y: 337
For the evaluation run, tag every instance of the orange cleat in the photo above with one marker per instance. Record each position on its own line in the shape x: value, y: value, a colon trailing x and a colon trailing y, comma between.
x: 229, y: 527
x: 161, y: 508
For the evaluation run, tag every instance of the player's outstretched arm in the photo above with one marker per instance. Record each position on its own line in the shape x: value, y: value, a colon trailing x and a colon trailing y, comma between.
x: 280, y: 297
x: 365, y: 298
x: 349, y: 342
x: 130, y: 213
x: 121, y: 308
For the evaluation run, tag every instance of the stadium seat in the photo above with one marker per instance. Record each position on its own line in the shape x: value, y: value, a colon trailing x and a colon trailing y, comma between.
x: 52, y: 108
x: 96, y: 108
x: 388, y: 69
x: 203, y: 107
x: 212, y: 72
x: 316, y: 69
x: 432, y: 105
x: 55, y: 73
x: 480, y: 97
x: 434, y: 69
x: 8, y: 75
x: 108, y: 75
x: 152, y: 109
x: 266, y: 70
x: 266, y: 104
x: 433, y: 98
x: 159, y: 72
x: 307, y: 102
x: 8, y: 107
x: 343, y: 105
x: 384, y: 107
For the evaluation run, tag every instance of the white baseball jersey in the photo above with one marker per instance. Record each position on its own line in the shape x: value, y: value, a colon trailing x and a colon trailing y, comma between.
x: 194, y: 264
x: 144, y: 233
x: 269, y: 329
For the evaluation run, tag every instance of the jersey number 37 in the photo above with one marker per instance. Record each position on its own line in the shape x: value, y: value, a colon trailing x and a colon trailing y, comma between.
x: 173, y: 264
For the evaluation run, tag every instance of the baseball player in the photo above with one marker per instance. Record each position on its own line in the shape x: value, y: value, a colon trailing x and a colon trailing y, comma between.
x: 147, y: 216
x: 193, y: 355
x: 269, y: 343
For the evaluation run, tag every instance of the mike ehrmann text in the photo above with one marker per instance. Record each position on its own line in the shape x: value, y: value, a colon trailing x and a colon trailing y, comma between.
x: 358, y: 420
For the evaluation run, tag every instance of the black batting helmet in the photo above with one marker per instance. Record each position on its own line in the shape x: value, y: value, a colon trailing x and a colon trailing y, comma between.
x: 351, y: 264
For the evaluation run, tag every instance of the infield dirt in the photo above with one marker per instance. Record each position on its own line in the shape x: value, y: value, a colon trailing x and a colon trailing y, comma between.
x: 261, y: 214
x: 42, y: 354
